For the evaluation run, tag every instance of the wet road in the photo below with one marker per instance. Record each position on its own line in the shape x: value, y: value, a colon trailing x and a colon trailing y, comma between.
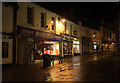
x: 77, y: 68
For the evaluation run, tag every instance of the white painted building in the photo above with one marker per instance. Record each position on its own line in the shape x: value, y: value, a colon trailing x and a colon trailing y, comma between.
x: 7, y: 29
x: 38, y: 28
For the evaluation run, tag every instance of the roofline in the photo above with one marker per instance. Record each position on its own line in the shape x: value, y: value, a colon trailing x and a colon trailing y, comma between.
x: 56, y: 13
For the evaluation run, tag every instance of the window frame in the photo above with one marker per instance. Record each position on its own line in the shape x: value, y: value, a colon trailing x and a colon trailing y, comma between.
x: 29, y: 15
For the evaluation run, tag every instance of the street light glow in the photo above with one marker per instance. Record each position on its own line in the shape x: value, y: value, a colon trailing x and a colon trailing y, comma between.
x: 63, y: 20
x: 93, y: 35
x: 52, y: 22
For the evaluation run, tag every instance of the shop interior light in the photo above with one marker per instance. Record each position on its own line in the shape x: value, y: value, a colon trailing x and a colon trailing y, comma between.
x: 113, y: 43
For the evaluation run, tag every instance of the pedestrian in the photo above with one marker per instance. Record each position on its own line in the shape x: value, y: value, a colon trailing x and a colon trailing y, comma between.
x: 97, y: 49
x: 108, y: 49
x: 102, y: 49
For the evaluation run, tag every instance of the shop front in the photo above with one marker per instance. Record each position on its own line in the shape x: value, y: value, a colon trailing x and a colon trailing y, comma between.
x: 95, y: 44
x: 87, y: 45
x: 71, y: 45
x: 67, y: 45
x: 76, y: 47
x: 108, y: 46
x: 38, y: 43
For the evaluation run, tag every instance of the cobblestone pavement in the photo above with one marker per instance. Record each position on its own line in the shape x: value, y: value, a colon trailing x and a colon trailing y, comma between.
x: 77, y: 68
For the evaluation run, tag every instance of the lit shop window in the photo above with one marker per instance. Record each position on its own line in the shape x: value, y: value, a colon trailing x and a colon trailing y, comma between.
x: 76, y: 46
x: 65, y: 48
x: 51, y: 48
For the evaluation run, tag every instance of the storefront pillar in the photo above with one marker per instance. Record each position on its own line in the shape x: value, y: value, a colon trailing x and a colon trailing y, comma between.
x: 43, y: 47
x: 22, y: 57
x: 80, y: 46
x: 61, y: 48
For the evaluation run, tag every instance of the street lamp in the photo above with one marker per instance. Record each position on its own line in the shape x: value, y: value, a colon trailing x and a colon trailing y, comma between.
x: 94, y: 35
x: 63, y: 20
x: 52, y: 22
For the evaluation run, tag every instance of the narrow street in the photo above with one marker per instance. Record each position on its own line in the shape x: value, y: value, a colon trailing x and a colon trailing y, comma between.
x: 77, y: 68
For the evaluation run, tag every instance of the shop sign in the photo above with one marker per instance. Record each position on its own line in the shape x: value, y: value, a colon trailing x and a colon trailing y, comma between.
x: 25, y: 31
x: 68, y: 38
x: 41, y: 34
x: 46, y: 35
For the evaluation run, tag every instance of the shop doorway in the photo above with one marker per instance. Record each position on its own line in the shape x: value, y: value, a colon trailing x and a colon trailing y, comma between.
x: 31, y: 50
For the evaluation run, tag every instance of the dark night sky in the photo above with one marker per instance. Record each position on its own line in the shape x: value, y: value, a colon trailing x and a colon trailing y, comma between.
x: 89, y: 13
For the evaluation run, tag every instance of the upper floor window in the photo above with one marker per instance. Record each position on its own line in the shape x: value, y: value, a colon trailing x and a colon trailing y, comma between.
x: 53, y: 23
x: 43, y: 20
x: 104, y: 32
x: 70, y: 29
x: 94, y: 34
x: 29, y: 15
x: 87, y: 32
x: 75, y: 31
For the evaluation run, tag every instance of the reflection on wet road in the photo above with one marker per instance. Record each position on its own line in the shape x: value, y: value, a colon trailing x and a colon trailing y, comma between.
x: 81, y: 68
x: 77, y: 68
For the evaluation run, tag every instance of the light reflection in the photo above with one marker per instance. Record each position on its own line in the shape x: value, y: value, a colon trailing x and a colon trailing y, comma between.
x: 95, y: 58
x: 64, y: 72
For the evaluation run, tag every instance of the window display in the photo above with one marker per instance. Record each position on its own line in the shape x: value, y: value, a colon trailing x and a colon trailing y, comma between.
x: 64, y: 48
x: 69, y: 45
x: 76, y: 46
x: 51, y: 48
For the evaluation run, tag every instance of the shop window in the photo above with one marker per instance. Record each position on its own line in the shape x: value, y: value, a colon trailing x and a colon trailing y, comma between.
x: 51, y: 47
x: 64, y: 48
x: 76, y: 46
x: 29, y: 15
x: 5, y: 49
x: 43, y: 20
x: 70, y: 46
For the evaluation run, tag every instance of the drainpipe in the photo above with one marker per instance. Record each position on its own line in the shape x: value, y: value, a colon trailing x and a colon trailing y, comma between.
x: 15, y: 8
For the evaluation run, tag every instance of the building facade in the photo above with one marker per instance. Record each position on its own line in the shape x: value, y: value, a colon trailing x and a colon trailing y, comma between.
x: 7, y: 30
x: 108, y: 38
x: 90, y: 39
x: 40, y: 31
